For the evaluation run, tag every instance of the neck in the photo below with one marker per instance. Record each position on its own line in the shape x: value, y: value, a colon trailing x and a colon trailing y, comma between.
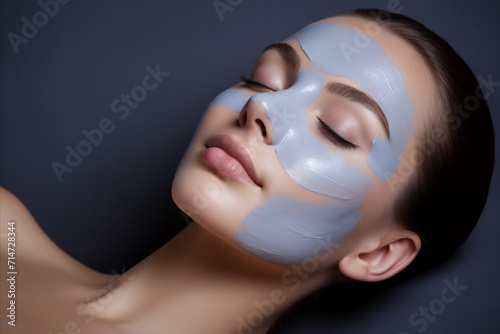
x: 197, y: 283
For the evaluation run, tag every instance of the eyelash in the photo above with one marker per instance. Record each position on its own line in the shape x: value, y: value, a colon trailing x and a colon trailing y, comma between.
x: 335, y: 137
x: 323, y: 127
x: 252, y: 83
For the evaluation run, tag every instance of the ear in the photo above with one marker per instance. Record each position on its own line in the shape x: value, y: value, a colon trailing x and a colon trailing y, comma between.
x: 380, y: 259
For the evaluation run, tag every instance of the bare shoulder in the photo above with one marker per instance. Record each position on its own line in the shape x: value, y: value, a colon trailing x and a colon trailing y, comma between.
x: 33, y: 245
x: 13, y: 215
x: 17, y: 222
x: 45, y: 281
x: 11, y: 208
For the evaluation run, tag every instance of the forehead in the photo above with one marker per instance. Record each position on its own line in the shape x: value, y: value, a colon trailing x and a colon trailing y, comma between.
x: 417, y: 78
x: 411, y: 80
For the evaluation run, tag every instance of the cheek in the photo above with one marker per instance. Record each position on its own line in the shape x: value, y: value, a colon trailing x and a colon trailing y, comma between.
x: 222, y: 112
x: 201, y: 193
x: 215, y: 119
x: 308, y: 162
x: 288, y: 231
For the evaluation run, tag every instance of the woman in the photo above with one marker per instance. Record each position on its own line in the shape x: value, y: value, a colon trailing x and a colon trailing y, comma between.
x: 342, y: 156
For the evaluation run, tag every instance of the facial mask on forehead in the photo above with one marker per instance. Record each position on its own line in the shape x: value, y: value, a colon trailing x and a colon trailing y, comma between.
x: 288, y: 230
x: 343, y: 51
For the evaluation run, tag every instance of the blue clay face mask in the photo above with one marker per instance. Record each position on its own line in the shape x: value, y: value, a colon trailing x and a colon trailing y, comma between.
x: 342, y: 51
x: 289, y: 230
x: 307, y: 161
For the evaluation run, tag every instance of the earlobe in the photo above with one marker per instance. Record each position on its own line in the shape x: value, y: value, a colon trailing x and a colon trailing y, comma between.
x: 382, y: 261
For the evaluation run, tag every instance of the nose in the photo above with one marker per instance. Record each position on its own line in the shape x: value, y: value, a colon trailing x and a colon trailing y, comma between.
x: 253, y: 117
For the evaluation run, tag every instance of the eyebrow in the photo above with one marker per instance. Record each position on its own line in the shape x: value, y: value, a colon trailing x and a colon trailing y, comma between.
x: 287, y: 53
x: 357, y: 96
x: 292, y: 60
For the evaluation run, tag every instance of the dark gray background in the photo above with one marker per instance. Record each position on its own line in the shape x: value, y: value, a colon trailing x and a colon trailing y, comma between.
x: 115, y: 208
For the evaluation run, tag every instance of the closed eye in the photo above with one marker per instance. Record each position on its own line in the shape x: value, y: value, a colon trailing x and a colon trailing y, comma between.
x: 334, y: 136
x: 254, y: 84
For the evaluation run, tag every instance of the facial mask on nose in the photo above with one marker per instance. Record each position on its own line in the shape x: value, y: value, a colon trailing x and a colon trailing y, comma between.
x: 287, y: 230
x: 305, y: 159
x: 231, y: 99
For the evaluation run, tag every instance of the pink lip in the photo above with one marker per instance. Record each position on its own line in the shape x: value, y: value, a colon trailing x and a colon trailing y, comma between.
x: 227, y: 155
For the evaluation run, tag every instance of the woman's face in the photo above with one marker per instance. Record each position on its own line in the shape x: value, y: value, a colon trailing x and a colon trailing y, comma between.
x: 292, y: 160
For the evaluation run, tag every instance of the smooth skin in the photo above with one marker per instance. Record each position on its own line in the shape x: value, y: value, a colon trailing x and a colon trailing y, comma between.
x: 202, y: 281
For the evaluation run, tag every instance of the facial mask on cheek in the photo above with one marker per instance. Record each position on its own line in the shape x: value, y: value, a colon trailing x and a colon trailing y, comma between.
x: 342, y: 51
x: 308, y: 162
x: 304, y: 158
x: 287, y: 230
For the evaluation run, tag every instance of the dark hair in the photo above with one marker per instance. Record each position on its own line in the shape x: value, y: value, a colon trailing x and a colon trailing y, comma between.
x: 444, y: 197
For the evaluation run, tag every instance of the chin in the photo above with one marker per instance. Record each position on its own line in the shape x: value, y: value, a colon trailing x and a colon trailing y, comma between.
x: 215, y: 202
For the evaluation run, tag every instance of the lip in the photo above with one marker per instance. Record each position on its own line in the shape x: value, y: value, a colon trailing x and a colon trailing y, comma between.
x: 227, y: 155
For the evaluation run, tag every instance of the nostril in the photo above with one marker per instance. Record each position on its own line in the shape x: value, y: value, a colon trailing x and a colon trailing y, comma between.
x: 243, y: 118
x: 262, y: 127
